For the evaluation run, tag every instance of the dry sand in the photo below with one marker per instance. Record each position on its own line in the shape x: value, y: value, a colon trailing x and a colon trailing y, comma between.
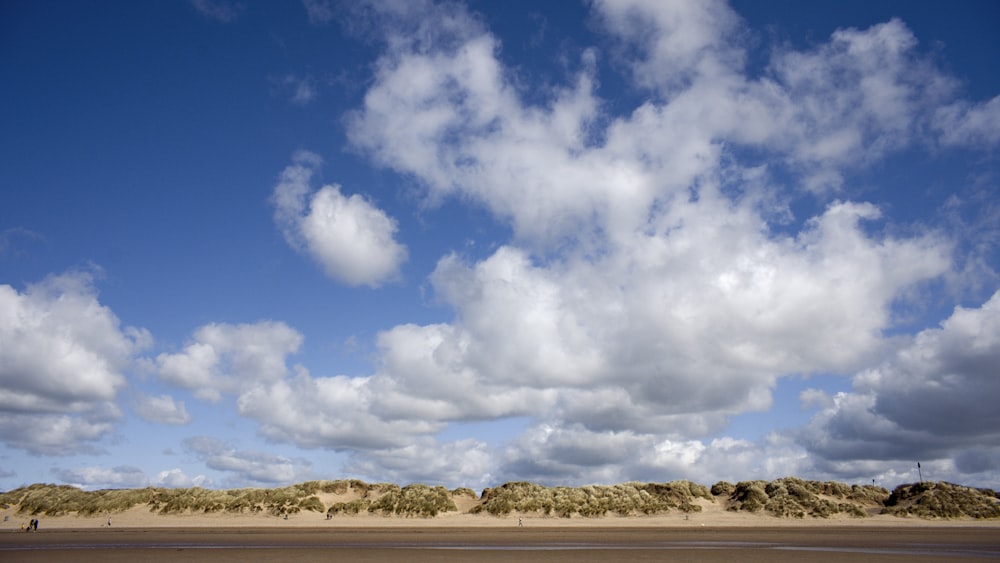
x: 711, y: 535
x: 591, y: 542
x: 712, y: 515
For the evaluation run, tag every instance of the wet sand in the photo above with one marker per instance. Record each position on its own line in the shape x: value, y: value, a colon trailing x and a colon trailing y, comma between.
x: 593, y: 543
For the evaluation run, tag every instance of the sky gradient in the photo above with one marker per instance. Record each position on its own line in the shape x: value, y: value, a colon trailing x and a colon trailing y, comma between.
x: 464, y: 243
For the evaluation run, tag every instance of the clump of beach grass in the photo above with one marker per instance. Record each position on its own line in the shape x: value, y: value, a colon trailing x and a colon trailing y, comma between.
x: 625, y: 499
x: 414, y: 500
x: 791, y: 497
x: 387, y: 499
x: 942, y: 500
x: 464, y: 492
x: 786, y: 498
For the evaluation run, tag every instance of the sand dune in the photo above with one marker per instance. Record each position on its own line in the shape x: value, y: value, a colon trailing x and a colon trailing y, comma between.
x: 711, y: 516
x: 783, y: 503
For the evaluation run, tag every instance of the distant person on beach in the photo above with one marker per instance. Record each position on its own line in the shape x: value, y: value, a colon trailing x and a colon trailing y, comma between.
x: 109, y: 521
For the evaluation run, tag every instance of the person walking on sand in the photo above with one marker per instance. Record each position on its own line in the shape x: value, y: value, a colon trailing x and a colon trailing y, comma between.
x: 109, y: 521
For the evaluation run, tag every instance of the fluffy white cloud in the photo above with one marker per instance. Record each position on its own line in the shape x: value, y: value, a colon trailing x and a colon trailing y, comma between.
x: 59, y: 434
x: 331, y: 412
x: 161, y: 408
x: 962, y: 123
x: 176, y: 478
x: 248, y: 466
x: 95, y: 477
x: 62, y: 358
x: 935, y: 400
x: 447, y: 112
x: 655, y: 285
x: 562, y: 455
x: 672, y: 44
x: 550, y: 454
x: 225, y: 358
x: 464, y: 462
x: 348, y: 236
x: 671, y: 334
x: 828, y: 127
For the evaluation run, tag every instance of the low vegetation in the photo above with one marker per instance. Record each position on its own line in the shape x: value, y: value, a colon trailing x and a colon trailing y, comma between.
x: 795, y: 498
x: 785, y: 498
x: 57, y: 500
x: 411, y: 500
x: 942, y: 500
x: 625, y: 499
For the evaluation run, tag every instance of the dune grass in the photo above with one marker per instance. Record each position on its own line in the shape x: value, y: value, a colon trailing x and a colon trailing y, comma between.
x: 788, y: 497
x: 410, y: 501
x: 624, y: 499
x: 796, y: 498
x: 943, y: 500
x: 57, y: 500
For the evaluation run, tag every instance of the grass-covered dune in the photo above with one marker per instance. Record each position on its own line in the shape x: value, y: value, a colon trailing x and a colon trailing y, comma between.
x: 943, y: 500
x: 786, y: 498
x: 626, y: 499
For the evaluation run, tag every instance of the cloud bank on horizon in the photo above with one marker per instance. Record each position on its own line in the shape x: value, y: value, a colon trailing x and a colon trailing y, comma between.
x: 672, y: 249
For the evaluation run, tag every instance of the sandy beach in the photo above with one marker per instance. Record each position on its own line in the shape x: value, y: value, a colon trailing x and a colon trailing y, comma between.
x: 713, y: 534
x: 712, y: 514
x: 591, y: 542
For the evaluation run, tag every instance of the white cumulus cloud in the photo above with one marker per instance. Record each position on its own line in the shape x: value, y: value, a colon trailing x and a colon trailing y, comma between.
x: 352, y: 240
x: 63, y: 357
x: 176, y: 478
x: 469, y: 462
x: 934, y: 400
x: 162, y: 408
x: 247, y: 465
x: 96, y: 477
x: 657, y: 282
x: 225, y: 358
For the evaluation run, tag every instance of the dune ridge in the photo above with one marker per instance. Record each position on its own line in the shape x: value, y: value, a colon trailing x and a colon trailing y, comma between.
x: 786, y: 500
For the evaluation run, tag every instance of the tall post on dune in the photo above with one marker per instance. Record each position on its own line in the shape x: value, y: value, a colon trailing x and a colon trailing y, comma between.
x: 920, y: 473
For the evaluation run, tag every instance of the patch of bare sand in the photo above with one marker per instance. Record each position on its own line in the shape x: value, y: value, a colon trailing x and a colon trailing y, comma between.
x: 711, y: 515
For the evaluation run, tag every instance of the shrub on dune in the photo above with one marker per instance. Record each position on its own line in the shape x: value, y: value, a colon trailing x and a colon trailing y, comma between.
x: 942, y: 500
x: 464, y: 492
x: 788, y: 497
x: 414, y: 500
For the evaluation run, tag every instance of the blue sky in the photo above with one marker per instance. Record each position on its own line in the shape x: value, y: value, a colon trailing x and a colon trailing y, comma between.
x: 255, y: 243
